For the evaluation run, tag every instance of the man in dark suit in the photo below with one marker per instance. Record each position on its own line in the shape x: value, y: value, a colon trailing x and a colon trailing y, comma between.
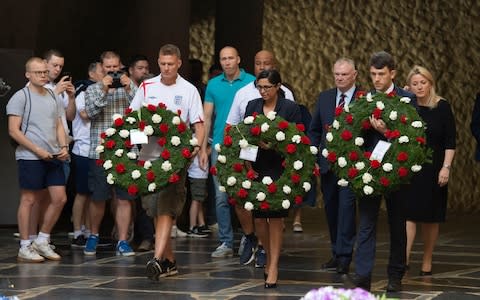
x: 382, y: 73
x: 475, y: 125
x: 339, y: 201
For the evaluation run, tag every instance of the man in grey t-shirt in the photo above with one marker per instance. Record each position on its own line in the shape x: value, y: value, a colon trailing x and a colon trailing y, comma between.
x: 34, y: 122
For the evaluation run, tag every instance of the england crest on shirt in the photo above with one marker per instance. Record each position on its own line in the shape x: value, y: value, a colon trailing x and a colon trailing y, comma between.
x: 178, y: 100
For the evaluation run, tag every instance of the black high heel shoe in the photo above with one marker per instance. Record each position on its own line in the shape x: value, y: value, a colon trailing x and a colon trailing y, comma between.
x: 270, y: 285
x: 423, y: 273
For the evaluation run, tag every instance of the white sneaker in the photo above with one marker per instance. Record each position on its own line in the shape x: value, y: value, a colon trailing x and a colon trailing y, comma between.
x: 45, y: 250
x: 27, y: 254
x: 223, y: 251
x: 175, y: 232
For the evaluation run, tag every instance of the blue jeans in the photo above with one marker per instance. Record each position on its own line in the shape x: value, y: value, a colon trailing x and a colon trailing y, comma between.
x: 224, y: 220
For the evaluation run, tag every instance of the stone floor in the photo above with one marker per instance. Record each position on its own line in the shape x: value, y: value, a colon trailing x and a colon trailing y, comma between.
x: 456, y: 269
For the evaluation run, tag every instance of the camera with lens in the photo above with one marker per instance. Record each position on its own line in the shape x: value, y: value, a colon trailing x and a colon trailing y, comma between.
x: 116, y: 79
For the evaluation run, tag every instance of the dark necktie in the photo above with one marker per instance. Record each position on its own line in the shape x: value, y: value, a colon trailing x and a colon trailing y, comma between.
x: 342, y: 100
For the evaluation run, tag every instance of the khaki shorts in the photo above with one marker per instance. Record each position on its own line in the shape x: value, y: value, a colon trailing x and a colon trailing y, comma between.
x: 198, y: 189
x: 169, y: 201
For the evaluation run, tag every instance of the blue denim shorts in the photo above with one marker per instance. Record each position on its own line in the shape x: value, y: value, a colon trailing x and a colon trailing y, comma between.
x: 39, y: 174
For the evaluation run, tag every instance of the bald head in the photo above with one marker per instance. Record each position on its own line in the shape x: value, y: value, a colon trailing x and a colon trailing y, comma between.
x: 230, y: 61
x: 264, y: 60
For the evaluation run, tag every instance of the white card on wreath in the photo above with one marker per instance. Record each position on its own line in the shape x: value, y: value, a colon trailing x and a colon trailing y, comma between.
x: 138, y: 137
x: 249, y: 153
x: 380, y: 150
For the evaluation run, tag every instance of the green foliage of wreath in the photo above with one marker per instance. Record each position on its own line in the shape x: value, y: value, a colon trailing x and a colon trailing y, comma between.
x: 263, y: 193
x: 358, y: 168
x: 119, y: 157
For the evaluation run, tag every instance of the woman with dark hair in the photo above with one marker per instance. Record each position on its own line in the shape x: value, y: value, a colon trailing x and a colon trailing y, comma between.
x: 269, y: 224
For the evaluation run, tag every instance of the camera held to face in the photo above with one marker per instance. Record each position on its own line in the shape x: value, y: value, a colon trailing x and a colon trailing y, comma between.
x: 116, y: 79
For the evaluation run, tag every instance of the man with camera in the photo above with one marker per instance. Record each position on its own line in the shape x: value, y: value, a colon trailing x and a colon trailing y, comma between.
x: 112, y: 95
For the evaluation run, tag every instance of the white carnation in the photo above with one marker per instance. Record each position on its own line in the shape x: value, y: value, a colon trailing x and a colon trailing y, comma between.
x: 231, y: 181
x: 176, y: 120
x: 131, y: 120
x: 285, y: 204
x: 286, y: 189
x: 148, y: 130
x: 136, y: 174
x: 99, y: 149
x: 403, y: 139
x: 297, y: 165
x: 175, y: 140
x: 267, y: 180
x: 369, y: 97
x: 218, y: 148
x: 314, y: 150
x: 342, y: 162
x: 359, y: 141
x: 342, y: 182
x: 222, y: 189
x: 132, y: 155
x: 243, y: 143
x: 156, y: 118
x: 280, y: 136
x: 393, y: 115
x: 119, y: 152
x: 124, y: 133
x: 368, y: 190
x: 405, y: 99
x: 380, y: 105
x: 360, y: 165
x: 264, y: 127
x: 110, y: 178
x: 366, y: 178
x: 296, y: 139
x: 387, y: 167
x: 336, y: 124
x: 248, y: 120
x: 116, y: 116
x: 110, y: 131
x: 346, y: 108
x: 166, y: 166
x: 246, y: 184
x: 107, y: 164
x: 416, y: 168
x: 306, y: 186
x: 329, y: 136
x: 417, y: 124
x: 248, y: 206
x: 147, y: 165
x: 222, y: 159
x: 325, y: 152
x: 151, y: 187
x: 193, y: 141
x: 271, y: 115
x: 261, y: 196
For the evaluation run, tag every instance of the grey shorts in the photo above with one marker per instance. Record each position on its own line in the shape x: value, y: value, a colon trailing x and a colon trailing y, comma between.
x: 198, y: 189
x: 169, y: 201
x: 99, y: 187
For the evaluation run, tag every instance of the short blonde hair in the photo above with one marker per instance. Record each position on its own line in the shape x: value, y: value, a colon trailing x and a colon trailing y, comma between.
x: 419, y: 70
x: 32, y: 60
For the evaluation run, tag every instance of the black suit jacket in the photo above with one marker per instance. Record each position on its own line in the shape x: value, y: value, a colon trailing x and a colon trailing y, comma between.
x: 475, y: 125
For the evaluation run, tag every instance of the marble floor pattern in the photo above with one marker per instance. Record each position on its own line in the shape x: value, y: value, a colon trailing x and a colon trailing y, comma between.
x: 106, y: 276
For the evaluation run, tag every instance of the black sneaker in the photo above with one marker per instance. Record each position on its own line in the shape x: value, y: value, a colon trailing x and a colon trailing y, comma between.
x: 205, y: 229
x: 79, y: 242
x: 168, y: 268
x: 248, y: 254
x: 196, y: 232
x: 154, y: 269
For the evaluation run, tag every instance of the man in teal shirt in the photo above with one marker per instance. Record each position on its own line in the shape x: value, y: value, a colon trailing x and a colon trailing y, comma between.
x: 219, y: 98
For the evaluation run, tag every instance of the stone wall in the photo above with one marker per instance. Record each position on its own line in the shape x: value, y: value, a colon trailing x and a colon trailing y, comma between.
x: 444, y: 36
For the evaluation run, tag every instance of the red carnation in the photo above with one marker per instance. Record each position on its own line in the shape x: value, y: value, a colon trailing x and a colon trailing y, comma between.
x: 377, y: 113
x: 161, y: 141
x: 132, y: 189
x: 316, y: 171
x: 338, y: 111
x: 282, y: 125
x: 384, y: 181
x: 151, y: 108
x: 232, y: 201
x: 284, y: 164
x: 165, y: 154
x: 227, y: 128
x: 298, y: 200
x: 242, y: 193
x: 120, y: 168
x: 186, y: 153
x: 162, y: 105
x: 103, y: 135
x: 367, y: 154
x: 332, y: 157
x: 420, y: 140
x: 272, y: 188
x: 353, y: 155
x: 150, y: 176
x: 179, y: 112
x: 305, y: 140
x: 251, y: 174
x: 99, y: 162
x: 110, y: 144
x: 255, y: 130
x: 141, y: 125
x: 300, y: 127
x: 141, y: 163
x: 163, y: 128
x: 174, y: 178
x: 213, y: 170
x: 366, y: 124
x: 128, y: 144
x: 374, y: 164
x: 352, y: 172
x: 402, y: 156
x: 346, y: 135
x: 391, y: 94
x: 128, y: 110
x: 403, y: 119
x: 237, y: 167
x: 227, y: 140
x: 295, y: 178
x: 118, y: 122
x: 291, y: 148
x: 181, y: 127
x: 264, y: 205
x: 360, y: 94
x: 349, y: 118
x: 254, y: 115
x: 402, y: 171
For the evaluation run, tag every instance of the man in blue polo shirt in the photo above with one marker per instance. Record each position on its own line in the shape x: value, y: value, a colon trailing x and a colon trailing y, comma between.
x: 218, y: 98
